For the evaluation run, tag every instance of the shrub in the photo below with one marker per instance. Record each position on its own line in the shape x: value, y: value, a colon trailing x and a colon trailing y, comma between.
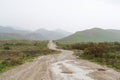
x: 6, y: 48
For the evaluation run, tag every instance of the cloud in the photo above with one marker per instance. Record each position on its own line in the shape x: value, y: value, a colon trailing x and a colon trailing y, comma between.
x: 71, y: 15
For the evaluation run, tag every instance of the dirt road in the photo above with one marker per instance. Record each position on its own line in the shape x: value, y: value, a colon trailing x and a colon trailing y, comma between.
x: 63, y: 66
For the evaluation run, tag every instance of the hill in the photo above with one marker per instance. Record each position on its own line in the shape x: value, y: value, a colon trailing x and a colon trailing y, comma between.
x: 94, y: 35
x: 53, y: 35
x: 11, y: 36
x: 12, y: 30
x: 8, y: 33
x: 35, y: 36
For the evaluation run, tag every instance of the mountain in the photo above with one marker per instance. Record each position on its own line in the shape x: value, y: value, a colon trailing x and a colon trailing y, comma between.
x: 94, y: 35
x: 52, y: 35
x: 65, y: 33
x: 8, y: 33
x: 35, y: 36
x: 12, y: 30
x: 11, y: 36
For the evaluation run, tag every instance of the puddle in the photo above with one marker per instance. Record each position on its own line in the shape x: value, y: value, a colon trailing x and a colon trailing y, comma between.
x: 101, y: 69
x: 68, y: 71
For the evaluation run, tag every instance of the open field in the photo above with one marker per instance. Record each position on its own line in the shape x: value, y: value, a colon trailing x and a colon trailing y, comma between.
x: 13, y: 53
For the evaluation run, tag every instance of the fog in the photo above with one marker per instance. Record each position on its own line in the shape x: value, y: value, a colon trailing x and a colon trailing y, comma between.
x: 70, y: 15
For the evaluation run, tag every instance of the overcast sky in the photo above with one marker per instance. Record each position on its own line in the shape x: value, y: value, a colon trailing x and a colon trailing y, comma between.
x: 70, y: 15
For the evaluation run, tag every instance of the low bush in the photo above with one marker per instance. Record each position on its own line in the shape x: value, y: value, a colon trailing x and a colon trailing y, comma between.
x: 6, y: 48
x: 107, y: 53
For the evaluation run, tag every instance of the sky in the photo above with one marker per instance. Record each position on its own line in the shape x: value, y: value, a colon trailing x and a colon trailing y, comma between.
x: 69, y: 15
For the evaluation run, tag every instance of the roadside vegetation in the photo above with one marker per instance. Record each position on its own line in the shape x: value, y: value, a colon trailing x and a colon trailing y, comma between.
x: 13, y: 53
x: 106, y: 53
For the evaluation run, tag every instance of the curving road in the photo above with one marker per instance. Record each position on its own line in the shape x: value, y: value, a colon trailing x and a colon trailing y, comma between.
x: 63, y: 66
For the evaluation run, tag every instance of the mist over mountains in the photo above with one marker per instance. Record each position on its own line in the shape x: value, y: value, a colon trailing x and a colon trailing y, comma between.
x: 8, y: 33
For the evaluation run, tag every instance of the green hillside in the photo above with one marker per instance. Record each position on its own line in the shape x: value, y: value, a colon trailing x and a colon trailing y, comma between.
x: 94, y: 35
x: 11, y: 36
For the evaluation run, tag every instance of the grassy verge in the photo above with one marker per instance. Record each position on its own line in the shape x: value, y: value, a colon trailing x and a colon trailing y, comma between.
x: 14, y: 53
x: 102, y: 53
x: 112, y: 63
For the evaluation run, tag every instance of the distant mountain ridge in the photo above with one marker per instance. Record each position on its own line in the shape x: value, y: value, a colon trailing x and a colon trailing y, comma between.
x: 12, y: 30
x: 52, y: 35
x: 94, y: 35
x: 8, y: 33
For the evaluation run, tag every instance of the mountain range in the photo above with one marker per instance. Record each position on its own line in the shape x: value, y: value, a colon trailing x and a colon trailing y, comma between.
x: 89, y: 35
x: 94, y: 35
x: 8, y: 33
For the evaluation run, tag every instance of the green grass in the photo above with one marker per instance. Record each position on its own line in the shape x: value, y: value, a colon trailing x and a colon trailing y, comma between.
x: 14, y: 53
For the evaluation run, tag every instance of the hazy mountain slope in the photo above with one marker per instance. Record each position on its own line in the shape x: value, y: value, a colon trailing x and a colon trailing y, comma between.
x: 94, y: 35
x: 52, y: 35
x: 65, y: 33
x: 8, y: 33
x: 15, y: 36
x: 11, y: 36
x: 35, y: 36
x: 12, y: 30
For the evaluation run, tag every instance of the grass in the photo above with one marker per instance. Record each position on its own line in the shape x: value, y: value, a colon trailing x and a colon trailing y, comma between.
x: 14, y: 53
